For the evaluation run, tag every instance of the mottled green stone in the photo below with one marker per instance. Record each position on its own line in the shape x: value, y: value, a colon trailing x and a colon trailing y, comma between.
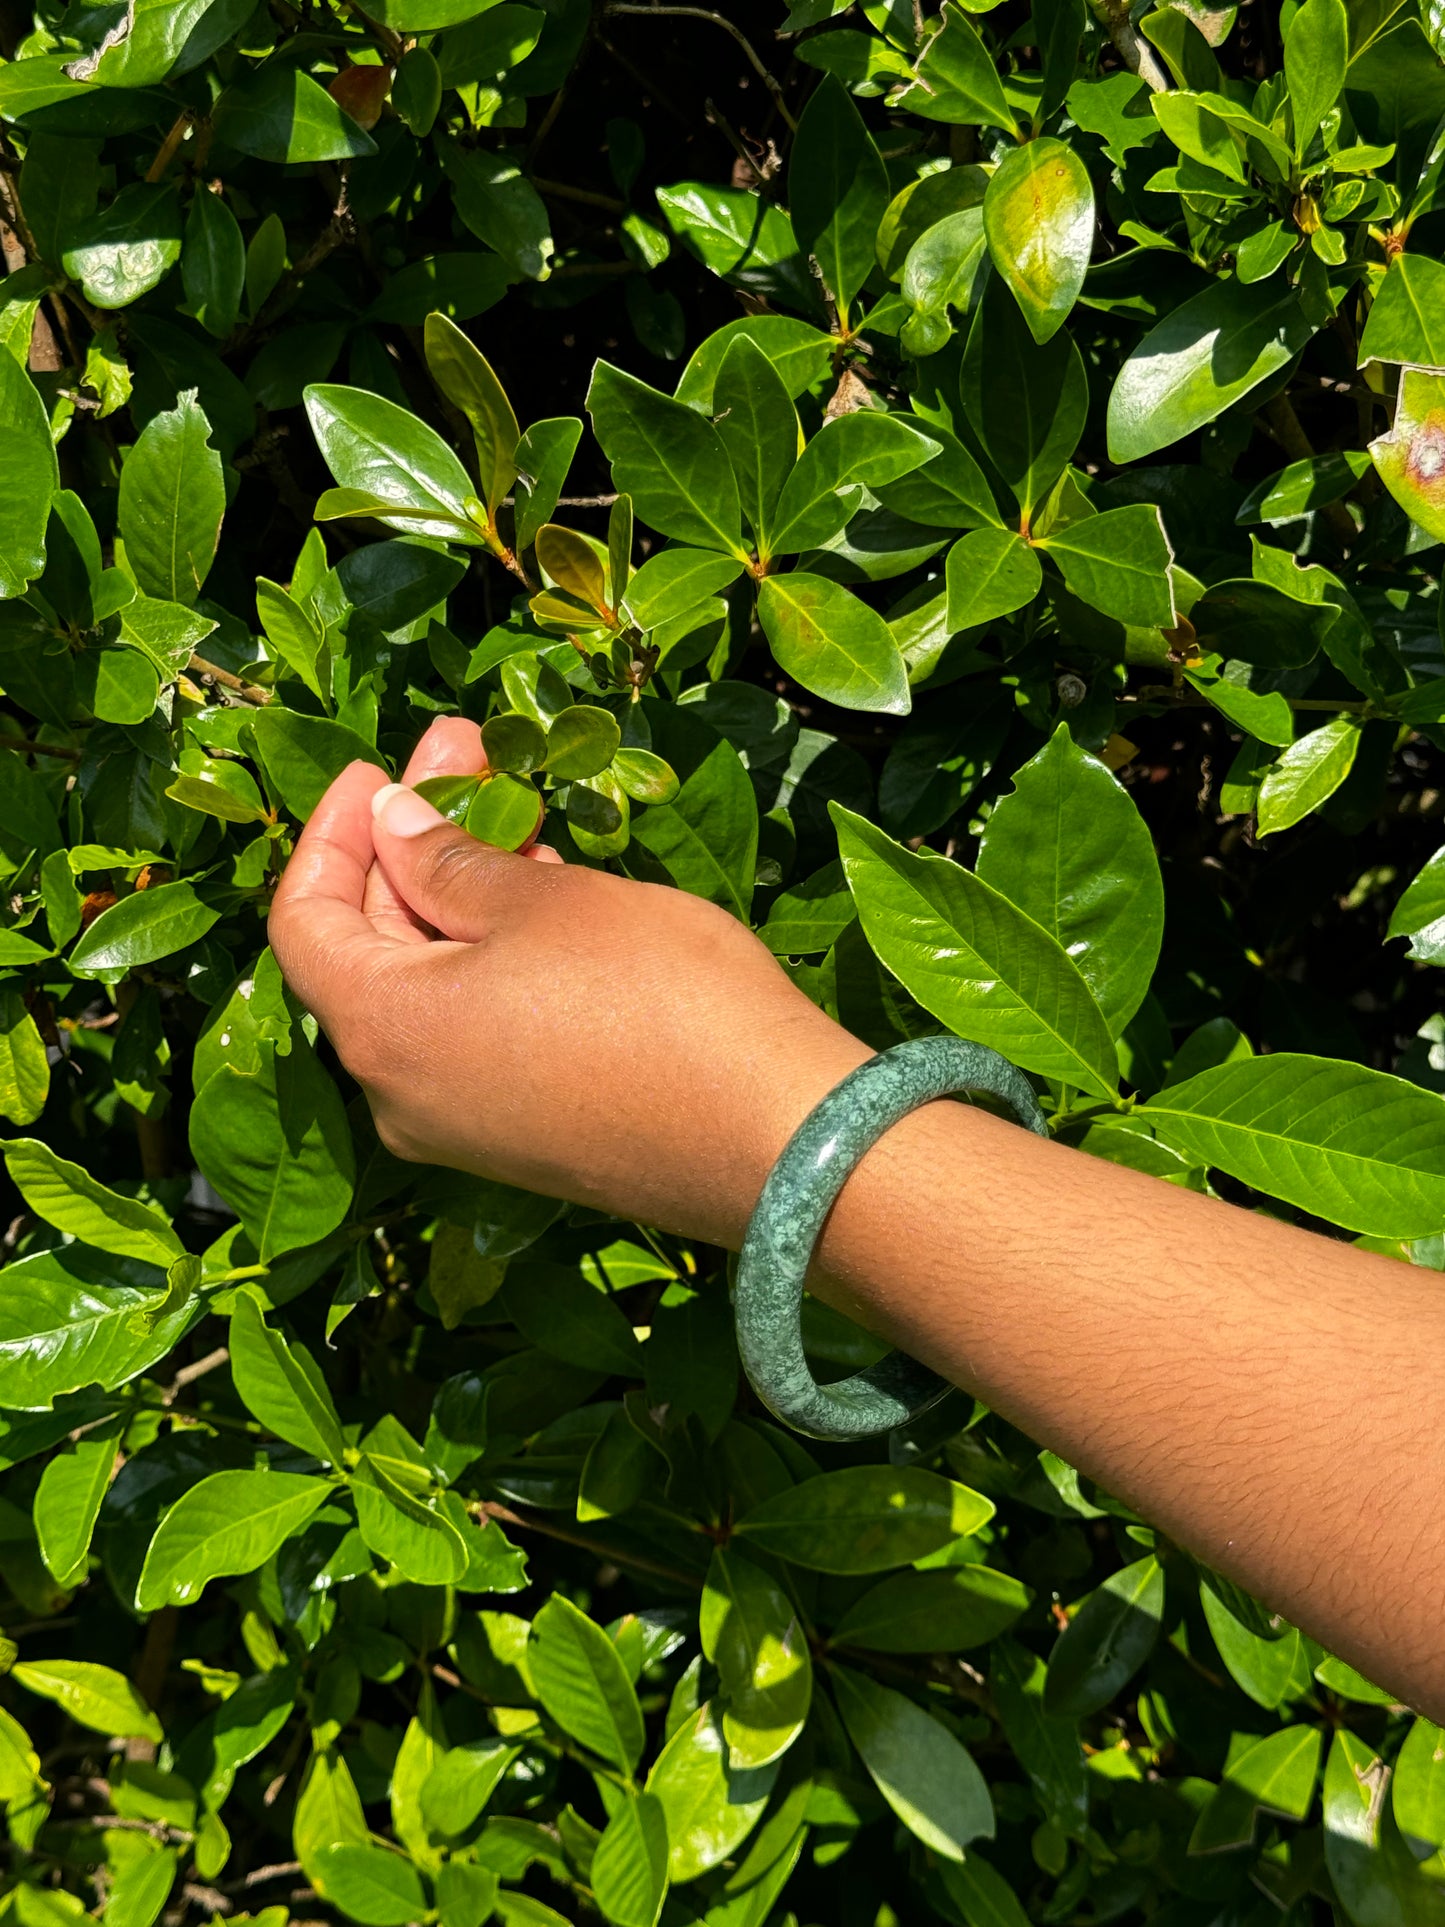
x: 800, y: 1192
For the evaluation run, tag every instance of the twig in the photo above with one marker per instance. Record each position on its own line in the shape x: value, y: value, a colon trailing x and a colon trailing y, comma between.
x: 563, y: 191
x: 575, y: 502
x: 249, y: 692
x: 180, y: 127
x: 1191, y: 698
x: 504, y: 1515
x: 718, y: 20
x: 1135, y: 52
x: 188, y: 1374
x: 279, y: 1870
x: 27, y: 746
x: 389, y: 42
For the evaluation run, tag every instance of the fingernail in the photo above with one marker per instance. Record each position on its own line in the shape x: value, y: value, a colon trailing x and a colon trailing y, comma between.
x: 401, y: 812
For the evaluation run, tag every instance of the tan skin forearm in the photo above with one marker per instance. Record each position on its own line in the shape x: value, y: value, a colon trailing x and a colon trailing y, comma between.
x: 1261, y: 1394
x: 1255, y: 1391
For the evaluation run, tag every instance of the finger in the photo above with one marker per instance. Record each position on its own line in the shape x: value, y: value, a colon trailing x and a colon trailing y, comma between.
x: 543, y: 853
x: 454, y: 883
x: 451, y: 746
x: 318, y: 929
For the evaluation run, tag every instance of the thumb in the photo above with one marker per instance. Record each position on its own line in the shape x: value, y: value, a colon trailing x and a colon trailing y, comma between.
x: 450, y: 880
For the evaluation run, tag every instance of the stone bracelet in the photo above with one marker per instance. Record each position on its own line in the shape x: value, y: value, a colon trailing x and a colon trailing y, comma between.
x: 801, y: 1190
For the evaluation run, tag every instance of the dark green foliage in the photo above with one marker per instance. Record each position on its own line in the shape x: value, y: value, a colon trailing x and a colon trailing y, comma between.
x: 1010, y: 436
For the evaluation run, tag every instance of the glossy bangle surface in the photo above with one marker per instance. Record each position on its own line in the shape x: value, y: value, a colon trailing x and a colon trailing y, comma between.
x: 800, y: 1191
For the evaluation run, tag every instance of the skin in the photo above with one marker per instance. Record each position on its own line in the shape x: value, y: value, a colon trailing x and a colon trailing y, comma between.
x: 1255, y: 1391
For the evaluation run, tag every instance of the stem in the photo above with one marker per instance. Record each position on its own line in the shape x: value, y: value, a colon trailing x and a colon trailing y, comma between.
x: 27, y: 746
x: 718, y: 20
x: 1191, y: 698
x: 564, y: 192
x: 249, y: 692
x: 504, y: 1515
x: 180, y: 127
x: 1135, y: 52
x: 389, y: 42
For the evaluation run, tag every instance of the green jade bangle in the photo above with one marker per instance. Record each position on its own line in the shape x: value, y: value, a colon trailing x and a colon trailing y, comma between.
x: 801, y: 1190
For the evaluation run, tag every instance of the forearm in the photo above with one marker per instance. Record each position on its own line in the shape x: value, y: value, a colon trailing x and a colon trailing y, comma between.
x: 1255, y: 1391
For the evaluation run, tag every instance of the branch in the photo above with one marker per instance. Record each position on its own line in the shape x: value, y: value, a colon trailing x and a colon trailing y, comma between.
x: 718, y: 20
x: 210, y: 672
x: 1135, y: 52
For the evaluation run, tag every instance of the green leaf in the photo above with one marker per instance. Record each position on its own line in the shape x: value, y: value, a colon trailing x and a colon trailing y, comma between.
x: 1316, y: 57
x: 464, y: 375
x: 67, y: 1197
x: 303, y: 755
x: 213, y: 264
x: 1026, y: 401
x: 1371, y: 1870
x: 981, y: 1893
x: 1305, y: 485
x: 833, y: 643
x: 1068, y: 847
x: 710, y: 1809
x: 669, y: 459
x: 141, y: 929
x: 925, y: 1775
x: 1407, y: 317
x: 279, y: 113
x: 989, y: 573
x: 384, y: 455
x: 750, y: 244
x: 128, y: 248
x: 1278, y: 1772
x: 229, y: 1523
x: 947, y: 1611
x: 1038, y: 215
x: 1118, y: 562
x: 752, y: 1634
x: 420, y: 1541
x: 462, y: 1781
x: 24, y: 1067
x: 559, y: 1311
x: 837, y: 190
x: 543, y: 457
x: 980, y: 965
x: 629, y: 1868
x: 581, y: 742
x: 947, y: 492
x: 867, y: 1518
x: 1045, y: 1746
x: 294, y: 638
x: 378, y: 1887
x: 1411, y: 458
x: 581, y: 1681
x: 1420, y: 913
x: 1203, y: 356
x: 706, y: 838
x: 70, y: 1318
x: 282, y: 1388
x: 504, y: 812
x: 515, y: 743
x: 494, y: 198
x: 93, y: 1696
x: 957, y: 80
x: 1255, y: 622
x: 29, y: 476
x: 856, y: 451
x: 275, y: 1144
x: 1308, y: 773
x: 68, y: 1500
x: 1350, y: 1145
x: 755, y: 416
x: 1417, y: 1790
x: 1107, y: 1642
x: 675, y: 580
x: 328, y: 1813
x: 172, y: 499
x: 1190, y: 121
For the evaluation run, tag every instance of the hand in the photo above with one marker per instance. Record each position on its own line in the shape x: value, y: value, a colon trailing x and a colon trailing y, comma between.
x: 615, y: 1043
